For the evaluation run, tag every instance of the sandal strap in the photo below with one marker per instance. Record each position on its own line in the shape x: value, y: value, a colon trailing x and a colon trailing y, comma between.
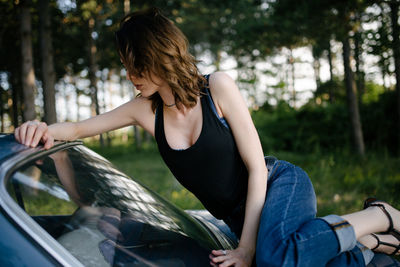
x: 397, y: 236
x: 379, y: 243
x: 396, y: 247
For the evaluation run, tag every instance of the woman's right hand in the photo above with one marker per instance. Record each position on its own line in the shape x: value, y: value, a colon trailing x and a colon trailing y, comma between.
x: 30, y: 133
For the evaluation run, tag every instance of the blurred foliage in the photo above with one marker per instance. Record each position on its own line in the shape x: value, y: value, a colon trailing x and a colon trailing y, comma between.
x: 343, y: 180
x: 325, y: 127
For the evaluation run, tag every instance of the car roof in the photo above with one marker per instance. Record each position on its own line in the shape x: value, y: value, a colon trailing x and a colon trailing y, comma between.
x: 9, y: 146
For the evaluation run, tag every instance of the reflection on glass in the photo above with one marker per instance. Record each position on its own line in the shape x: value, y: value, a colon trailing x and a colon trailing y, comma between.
x: 105, y: 218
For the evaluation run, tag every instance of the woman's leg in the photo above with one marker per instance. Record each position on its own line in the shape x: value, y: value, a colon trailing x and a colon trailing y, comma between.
x: 289, y: 233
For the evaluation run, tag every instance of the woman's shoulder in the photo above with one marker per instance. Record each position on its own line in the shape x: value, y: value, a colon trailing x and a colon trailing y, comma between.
x: 223, y: 90
x: 143, y: 112
x: 219, y: 76
x: 220, y: 84
x: 140, y: 107
x: 141, y: 101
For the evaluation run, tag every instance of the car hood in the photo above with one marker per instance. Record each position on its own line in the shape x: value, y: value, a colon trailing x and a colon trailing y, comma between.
x: 137, y: 222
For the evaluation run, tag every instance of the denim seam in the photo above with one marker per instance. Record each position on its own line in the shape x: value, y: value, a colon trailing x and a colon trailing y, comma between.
x: 273, y: 169
x: 291, y: 197
x: 342, y: 233
x: 367, y: 254
x: 328, y: 230
x: 358, y: 252
x: 313, y: 236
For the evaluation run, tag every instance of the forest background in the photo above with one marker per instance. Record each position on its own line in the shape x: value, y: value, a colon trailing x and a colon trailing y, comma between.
x: 321, y: 79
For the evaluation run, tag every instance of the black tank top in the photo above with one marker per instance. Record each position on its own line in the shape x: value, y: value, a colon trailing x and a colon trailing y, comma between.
x: 211, y: 168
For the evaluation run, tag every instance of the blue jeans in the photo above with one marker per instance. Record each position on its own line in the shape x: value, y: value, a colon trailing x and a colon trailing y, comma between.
x: 290, y: 234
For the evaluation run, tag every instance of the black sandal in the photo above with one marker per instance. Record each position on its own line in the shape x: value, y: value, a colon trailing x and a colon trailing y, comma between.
x: 370, y: 202
x: 379, y: 243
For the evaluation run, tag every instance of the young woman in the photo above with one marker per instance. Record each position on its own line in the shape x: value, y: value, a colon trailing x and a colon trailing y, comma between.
x: 206, y: 137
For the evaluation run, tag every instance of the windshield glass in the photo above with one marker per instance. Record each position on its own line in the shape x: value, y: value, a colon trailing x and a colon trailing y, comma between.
x: 104, y: 217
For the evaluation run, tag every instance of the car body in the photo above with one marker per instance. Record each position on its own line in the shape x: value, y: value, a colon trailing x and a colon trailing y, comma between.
x: 69, y: 206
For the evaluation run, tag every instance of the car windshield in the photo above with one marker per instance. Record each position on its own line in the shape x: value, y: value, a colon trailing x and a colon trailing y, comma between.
x: 104, y: 217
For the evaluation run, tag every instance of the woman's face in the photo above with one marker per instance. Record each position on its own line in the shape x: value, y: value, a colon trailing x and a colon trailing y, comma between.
x: 147, y: 85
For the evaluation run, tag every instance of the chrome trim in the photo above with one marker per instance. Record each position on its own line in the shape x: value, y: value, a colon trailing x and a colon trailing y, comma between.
x: 21, y: 218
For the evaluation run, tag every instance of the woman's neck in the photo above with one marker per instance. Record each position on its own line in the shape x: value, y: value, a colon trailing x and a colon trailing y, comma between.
x: 170, y: 105
x: 167, y: 96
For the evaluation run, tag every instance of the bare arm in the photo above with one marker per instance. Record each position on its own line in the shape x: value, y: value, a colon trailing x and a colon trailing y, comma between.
x: 66, y: 175
x: 117, y: 118
x: 32, y: 132
x: 233, y: 108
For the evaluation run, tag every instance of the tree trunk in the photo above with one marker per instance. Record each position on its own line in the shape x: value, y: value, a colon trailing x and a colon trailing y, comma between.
x: 48, y: 72
x: 394, y: 9
x: 317, y: 68
x: 138, y: 137
x: 291, y: 62
x: 15, y: 92
x: 2, y: 96
x: 94, y: 107
x: 383, y: 73
x: 352, y: 104
x: 28, y: 73
x: 217, y: 62
x: 104, y: 79
x: 78, y: 105
x: 127, y: 7
x: 136, y: 131
x: 359, y: 72
x: 331, y: 93
x: 148, y: 138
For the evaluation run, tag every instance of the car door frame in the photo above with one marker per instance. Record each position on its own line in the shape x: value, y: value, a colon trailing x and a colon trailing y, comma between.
x: 20, y: 217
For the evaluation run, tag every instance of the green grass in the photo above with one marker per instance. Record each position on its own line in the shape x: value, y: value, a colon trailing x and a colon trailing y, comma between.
x: 341, y: 180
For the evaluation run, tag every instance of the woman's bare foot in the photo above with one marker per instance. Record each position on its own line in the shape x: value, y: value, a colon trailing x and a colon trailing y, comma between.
x: 387, y: 244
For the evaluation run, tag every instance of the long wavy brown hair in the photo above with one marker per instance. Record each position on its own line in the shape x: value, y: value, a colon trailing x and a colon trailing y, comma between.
x: 149, y: 43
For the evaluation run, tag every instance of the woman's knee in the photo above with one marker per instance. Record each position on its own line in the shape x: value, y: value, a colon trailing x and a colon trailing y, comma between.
x: 287, y: 207
x: 270, y: 253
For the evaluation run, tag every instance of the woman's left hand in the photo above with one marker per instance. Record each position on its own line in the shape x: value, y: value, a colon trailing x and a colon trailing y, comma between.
x: 237, y: 257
